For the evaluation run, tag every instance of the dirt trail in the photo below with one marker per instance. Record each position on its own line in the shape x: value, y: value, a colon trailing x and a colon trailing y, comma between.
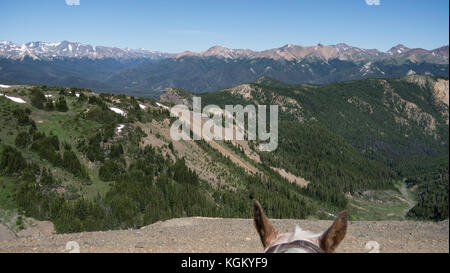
x: 404, y: 191
x: 233, y: 157
x: 238, y: 235
x: 291, y: 177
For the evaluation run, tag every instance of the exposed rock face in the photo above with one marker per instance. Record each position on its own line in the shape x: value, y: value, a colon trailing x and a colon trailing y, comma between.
x: 405, y: 111
x: 361, y: 104
x: 243, y: 90
x: 441, y: 90
x: 176, y: 96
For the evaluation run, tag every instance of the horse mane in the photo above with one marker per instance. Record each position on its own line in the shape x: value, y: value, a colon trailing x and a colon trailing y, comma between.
x: 300, y: 234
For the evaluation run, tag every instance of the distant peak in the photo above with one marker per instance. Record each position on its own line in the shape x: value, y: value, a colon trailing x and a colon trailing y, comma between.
x: 218, y: 50
x: 400, y: 46
x: 288, y: 46
x: 398, y: 49
x: 340, y: 45
x: 217, y: 47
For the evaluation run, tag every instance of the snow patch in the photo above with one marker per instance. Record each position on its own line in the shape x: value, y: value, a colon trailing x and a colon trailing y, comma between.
x: 119, y: 128
x: 163, y: 106
x: 4, y: 86
x: 411, y: 72
x: 14, y: 99
x: 143, y: 107
x: 117, y: 111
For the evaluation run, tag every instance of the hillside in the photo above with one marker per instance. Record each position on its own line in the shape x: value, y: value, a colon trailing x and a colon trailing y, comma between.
x: 96, y: 162
x: 89, y: 162
x: 396, y: 128
x: 218, y: 235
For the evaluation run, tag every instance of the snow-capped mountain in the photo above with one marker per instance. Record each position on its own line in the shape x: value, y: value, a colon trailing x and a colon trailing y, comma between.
x: 340, y: 51
x: 290, y: 52
x: 65, y: 49
x: 109, y: 69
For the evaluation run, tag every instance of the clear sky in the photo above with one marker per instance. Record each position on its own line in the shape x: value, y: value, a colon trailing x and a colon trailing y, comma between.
x: 178, y: 25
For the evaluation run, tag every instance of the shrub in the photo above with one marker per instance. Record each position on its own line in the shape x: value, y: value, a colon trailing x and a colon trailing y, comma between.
x: 22, y: 140
x: 61, y: 105
x: 110, y: 170
x: 11, y: 160
x: 37, y: 98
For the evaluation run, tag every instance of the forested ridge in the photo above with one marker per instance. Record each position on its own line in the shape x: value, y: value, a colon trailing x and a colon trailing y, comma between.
x: 358, y: 135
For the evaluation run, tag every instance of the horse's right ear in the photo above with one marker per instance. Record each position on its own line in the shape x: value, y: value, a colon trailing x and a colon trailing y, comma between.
x: 262, y: 224
x: 331, y: 238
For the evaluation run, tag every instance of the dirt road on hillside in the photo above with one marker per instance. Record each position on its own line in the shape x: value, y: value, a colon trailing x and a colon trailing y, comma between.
x: 237, y: 235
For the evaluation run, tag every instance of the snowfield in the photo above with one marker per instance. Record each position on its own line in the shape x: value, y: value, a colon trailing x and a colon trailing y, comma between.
x: 14, y: 99
x: 117, y: 111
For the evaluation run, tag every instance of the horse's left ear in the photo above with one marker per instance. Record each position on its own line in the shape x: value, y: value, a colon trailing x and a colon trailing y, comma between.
x: 262, y: 224
x: 331, y: 238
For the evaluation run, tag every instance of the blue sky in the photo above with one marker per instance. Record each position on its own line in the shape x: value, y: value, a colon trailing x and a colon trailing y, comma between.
x: 178, y: 25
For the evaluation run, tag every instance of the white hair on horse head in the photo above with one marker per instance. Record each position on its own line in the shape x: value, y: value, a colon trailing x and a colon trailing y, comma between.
x: 298, y: 241
x: 300, y: 234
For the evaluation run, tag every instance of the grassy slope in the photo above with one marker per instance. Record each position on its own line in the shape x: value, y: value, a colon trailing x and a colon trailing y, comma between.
x: 60, y: 124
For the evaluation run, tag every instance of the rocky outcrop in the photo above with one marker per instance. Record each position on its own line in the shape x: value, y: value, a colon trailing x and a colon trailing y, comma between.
x: 405, y: 111
x: 176, y: 96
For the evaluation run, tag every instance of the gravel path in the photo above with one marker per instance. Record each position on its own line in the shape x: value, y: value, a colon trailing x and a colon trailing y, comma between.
x: 404, y: 191
x: 237, y: 235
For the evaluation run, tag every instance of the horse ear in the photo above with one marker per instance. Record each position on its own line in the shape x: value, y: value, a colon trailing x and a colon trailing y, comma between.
x: 331, y: 238
x: 262, y: 224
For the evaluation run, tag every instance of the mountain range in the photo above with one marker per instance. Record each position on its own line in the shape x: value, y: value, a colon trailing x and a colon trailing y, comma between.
x: 147, y: 73
x: 290, y: 52
x: 65, y: 49
x: 340, y: 51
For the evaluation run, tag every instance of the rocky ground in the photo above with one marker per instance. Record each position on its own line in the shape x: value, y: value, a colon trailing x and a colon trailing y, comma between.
x: 235, y: 235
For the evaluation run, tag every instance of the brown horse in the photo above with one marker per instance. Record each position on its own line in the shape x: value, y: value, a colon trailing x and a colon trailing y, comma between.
x: 299, y: 241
